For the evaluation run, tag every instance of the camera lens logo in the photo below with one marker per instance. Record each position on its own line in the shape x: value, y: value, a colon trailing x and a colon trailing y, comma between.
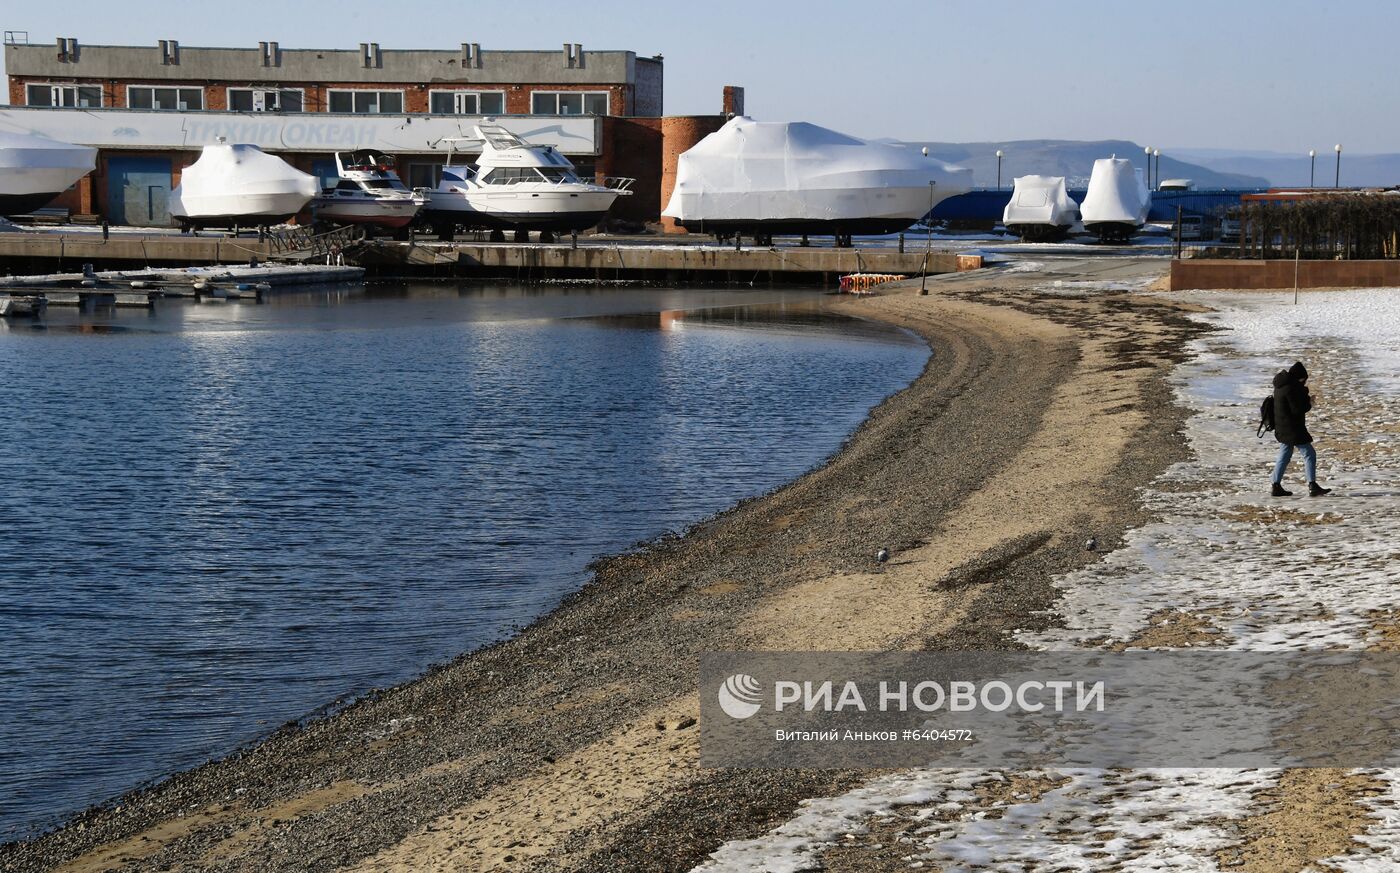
x: 739, y: 696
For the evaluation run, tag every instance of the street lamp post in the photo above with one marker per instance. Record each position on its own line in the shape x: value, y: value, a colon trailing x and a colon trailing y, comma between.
x: 928, y: 250
x: 1312, y: 168
x: 1000, y: 155
x: 1157, y: 156
x: 1337, y: 183
x: 1147, y: 150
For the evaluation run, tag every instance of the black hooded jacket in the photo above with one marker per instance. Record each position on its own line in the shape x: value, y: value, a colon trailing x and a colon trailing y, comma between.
x: 1291, y: 405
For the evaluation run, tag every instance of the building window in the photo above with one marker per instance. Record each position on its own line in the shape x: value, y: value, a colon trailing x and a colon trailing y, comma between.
x: 569, y: 103
x: 260, y: 100
x: 151, y: 97
x: 467, y: 102
x: 63, y: 95
x: 366, y: 102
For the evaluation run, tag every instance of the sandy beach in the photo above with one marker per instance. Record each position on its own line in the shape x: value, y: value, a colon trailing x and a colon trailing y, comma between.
x: 572, y: 746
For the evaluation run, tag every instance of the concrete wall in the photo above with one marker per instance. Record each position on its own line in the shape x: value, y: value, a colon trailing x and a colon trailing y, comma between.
x: 1204, y: 274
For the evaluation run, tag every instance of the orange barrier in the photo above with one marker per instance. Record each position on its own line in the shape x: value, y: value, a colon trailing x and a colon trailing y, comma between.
x: 864, y: 283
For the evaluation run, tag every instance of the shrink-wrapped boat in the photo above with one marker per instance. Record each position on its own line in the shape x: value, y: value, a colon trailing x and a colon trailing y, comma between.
x: 235, y: 184
x: 793, y: 177
x: 1117, y: 201
x: 36, y: 169
x: 1040, y: 209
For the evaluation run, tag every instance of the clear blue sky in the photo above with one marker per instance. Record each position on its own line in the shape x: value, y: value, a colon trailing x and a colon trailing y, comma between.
x: 1238, y: 74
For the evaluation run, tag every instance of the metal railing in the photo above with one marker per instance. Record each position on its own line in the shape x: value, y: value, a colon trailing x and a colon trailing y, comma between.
x: 16, y: 37
x: 301, y: 241
x: 619, y: 183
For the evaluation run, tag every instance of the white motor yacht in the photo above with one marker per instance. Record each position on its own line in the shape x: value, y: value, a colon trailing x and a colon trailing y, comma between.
x: 236, y: 184
x: 794, y: 177
x: 515, y: 185
x: 1040, y: 210
x: 36, y: 169
x: 368, y: 192
x: 1117, y: 202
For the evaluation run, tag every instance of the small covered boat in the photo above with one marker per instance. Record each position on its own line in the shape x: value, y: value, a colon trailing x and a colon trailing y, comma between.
x: 368, y: 192
x: 36, y: 169
x: 1117, y: 201
x: 517, y: 186
x: 793, y: 177
x: 239, y: 185
x: 1040, y: 210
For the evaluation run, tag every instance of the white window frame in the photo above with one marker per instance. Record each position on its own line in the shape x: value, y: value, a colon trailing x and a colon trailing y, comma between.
x: 403, y: 102
x: 458, y: 93
x: 101, y: 94
x: 176, y: 89
x: 606, y: 95
x: 228, y: 97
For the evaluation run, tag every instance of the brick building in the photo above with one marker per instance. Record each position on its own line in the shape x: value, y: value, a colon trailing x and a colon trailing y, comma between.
x: 148, y: 109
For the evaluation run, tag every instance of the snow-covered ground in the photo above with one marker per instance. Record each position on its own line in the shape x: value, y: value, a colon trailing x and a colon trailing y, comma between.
x: 1226, y: 566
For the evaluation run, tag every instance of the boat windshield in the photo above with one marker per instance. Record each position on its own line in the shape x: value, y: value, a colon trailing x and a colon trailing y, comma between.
x: 499, y: 137
x: 557, y: 174
x: 516, y: 175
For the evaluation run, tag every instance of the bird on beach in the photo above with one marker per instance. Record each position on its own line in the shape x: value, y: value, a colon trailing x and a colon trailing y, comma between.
x: 882, y: 555
x: 1091, y: 544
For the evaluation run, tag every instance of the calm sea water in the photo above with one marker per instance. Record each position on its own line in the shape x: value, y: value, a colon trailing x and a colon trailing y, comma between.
x: 218, y: 517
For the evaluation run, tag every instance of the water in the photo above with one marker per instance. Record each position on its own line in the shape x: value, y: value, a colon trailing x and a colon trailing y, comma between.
x: 218, y: 517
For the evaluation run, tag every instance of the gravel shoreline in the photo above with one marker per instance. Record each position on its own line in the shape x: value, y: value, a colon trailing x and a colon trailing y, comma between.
x: 567, y: 747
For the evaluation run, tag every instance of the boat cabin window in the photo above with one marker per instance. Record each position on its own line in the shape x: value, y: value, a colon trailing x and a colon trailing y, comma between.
x: 366, y: 102
x: 557, y: 174
x: 378, y: 183
x: 569, y: 103
x: 467, y: 102
x: 448, y: 174
x: 511, y: 176
x: 63, y: 95
x: 347, y: 185
x: 260, y: 100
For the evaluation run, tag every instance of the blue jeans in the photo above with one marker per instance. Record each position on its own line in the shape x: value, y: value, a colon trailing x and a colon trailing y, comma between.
x: 1285, y: 454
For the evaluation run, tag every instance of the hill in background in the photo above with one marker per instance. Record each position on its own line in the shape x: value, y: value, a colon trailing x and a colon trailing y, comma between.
x: 1075, y: 160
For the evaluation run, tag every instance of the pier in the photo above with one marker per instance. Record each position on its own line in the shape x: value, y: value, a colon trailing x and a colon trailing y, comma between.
x: 642, y: 259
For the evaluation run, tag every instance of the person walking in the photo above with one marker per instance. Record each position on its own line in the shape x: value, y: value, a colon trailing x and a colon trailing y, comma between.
x: 1291, y: 405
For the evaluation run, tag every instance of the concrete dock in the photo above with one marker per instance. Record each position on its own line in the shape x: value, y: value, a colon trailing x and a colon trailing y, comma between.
x: 645, y: 259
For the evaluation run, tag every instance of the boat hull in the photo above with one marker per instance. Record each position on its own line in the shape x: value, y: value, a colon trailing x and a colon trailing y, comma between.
x: 392, y: 215
x: 521, y: 210
x: 30, y: 177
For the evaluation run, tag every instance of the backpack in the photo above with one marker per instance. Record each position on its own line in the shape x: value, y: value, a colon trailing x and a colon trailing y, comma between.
x: 1266, y: 417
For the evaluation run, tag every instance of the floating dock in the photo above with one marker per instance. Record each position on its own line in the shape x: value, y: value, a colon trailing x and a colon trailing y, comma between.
x: 29, y: 295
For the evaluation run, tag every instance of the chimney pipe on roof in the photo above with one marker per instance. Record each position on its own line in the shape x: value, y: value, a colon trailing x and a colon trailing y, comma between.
x: 67, y: 50
x: 169, y: 52
x: 471, y: 55
x: 369, y: 55
x: 271, y: 55
x: 573, y: 56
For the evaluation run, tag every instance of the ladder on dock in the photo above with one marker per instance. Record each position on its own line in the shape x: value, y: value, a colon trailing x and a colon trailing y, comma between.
x: 303, y: 244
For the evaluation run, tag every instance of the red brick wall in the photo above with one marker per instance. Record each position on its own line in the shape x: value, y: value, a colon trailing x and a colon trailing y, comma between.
x: 1207, y: 274
x: 679, y: 133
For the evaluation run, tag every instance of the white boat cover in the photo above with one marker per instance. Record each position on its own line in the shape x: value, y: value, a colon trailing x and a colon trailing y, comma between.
x: 240, y: 179
x: 761, y: 171
x: 1040, y: 200
x: 36, y: 164
x: 1117, y: 194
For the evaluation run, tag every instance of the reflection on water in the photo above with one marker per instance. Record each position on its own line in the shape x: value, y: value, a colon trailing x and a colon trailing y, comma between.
x: 221, y: 516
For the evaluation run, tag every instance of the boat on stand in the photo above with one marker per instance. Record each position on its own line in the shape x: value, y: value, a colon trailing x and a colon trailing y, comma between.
x: 239, y: 185
x: 36, y: 169
x: 368, y: 192
x: 515, y: 186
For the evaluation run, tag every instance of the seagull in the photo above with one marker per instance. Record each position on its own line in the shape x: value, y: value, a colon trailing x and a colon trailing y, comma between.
x: 882, y: 555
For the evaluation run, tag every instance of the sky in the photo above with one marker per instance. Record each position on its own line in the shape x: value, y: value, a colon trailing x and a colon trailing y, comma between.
x: 1241, y: 75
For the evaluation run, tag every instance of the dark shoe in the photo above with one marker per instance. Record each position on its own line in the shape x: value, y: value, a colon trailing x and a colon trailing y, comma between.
x: 1279, y: 492
x: 1316, y: 490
